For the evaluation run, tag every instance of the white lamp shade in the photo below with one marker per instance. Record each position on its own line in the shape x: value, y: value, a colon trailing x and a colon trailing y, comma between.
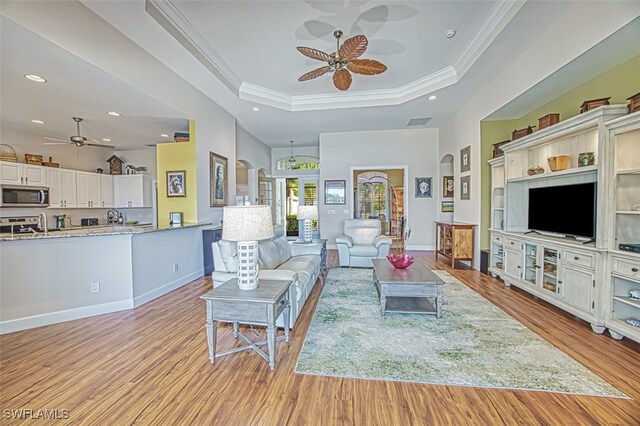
x: 246, y: 223
x: 308, y: 212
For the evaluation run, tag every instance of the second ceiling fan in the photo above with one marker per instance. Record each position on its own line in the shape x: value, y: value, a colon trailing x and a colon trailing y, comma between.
x: 77, y: 140
x: 343, y: 60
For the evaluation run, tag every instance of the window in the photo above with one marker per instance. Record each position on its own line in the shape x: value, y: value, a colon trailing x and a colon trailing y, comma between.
x: 302, y: 162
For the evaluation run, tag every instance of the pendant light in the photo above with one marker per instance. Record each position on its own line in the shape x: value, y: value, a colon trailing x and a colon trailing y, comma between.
x: 292, y: 159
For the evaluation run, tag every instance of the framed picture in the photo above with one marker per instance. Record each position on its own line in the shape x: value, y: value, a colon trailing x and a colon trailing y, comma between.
x: 217, y: 180
x: 447, y: 187
x: 334, y: 192
x: 177, y: 183
x: 447, y: 207
x: 465, y: 188
x: 465, y: 159
x: 423, y: 187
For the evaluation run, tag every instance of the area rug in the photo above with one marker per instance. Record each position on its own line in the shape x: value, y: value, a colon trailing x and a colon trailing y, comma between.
x: 473, y: 344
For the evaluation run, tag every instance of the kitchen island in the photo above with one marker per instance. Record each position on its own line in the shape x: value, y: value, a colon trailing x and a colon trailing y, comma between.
x: 80, y: 272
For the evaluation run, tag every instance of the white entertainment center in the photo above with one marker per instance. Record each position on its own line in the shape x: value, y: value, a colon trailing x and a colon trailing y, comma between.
x: 591, y: 280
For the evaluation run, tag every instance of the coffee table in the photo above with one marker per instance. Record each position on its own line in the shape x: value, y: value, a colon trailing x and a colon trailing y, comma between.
x: 409, y: 290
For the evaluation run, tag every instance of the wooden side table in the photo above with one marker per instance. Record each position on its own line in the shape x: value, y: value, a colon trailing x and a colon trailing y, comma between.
x: 260, y: 306
x: 455, y: 240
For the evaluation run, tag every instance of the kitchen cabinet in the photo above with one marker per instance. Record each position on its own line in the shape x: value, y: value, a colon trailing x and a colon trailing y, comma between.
x: 62, y: 188
x: 106, y: 190
x: 132, y: 191
x: 88, y: 189
x: 22, y: 174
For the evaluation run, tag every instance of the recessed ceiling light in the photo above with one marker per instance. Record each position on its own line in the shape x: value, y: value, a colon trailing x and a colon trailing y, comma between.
x: 106, y: 140
x: 164, y: 135
x: 432, y: 97
x: 35, y: 78
x: 115, y: 114
x: 255, y: 109
x: 451, y: 33
x: 37, y: 121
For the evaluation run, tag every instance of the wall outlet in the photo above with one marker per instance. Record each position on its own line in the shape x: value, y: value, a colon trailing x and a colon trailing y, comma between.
x: 95, y: 287
x: 175, y: 267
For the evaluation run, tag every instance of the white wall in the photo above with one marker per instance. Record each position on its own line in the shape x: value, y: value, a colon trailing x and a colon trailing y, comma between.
x: 415, y: 148
x: 554, y: 49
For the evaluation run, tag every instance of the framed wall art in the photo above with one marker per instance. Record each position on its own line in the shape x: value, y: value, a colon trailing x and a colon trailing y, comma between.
x: 447, y: 187
x: 177, y: 183
x: 423, y: 187
x: 465, y: 188
x: 447, y: 207
x: 465, y: 159
x: 334, y: 192
x: 217, y: 180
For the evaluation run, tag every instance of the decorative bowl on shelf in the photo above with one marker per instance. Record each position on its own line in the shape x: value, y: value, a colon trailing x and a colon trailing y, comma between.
x: 400, y: 261
x: 559, y: 162
x: 633, y: 321
x: 535, y: 170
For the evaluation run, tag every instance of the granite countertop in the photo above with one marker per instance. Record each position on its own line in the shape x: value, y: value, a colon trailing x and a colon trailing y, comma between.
x: 99, y: 230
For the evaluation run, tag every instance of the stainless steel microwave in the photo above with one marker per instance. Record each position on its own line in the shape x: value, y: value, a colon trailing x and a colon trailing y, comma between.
x: 24, y: 196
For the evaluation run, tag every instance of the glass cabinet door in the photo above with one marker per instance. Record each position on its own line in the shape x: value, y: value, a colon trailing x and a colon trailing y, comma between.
x: 530, y: 263
x: 550, y: 270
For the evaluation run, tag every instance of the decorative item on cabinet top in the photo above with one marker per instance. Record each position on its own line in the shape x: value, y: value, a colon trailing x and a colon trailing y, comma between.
x: 548, y: 120
x: 634, y: 103
x: 497, y: 152
x: 34, y: 159
x: 593, y: 104
x: 535, y: 170
x: 50, y: 163
x: 115, y: 165
x: 518, y: 133
x: 7, y: 153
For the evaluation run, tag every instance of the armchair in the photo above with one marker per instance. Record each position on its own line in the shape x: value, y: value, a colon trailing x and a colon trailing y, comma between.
x: 362, y: 242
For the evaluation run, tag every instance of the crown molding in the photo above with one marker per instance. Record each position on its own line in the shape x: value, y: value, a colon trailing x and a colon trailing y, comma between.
x: 498, y: 18
x: 175, y: 23
x: 169, y: 17
x: 382, y: 97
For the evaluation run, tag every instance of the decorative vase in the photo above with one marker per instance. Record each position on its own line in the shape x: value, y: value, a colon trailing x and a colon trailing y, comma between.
x: 586, y: 159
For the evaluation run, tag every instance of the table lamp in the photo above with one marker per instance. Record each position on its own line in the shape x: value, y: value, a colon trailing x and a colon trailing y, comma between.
x: 247, y: 225
x: 307, y: 213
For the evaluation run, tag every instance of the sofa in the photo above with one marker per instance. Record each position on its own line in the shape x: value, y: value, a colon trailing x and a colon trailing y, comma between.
x: 278, y: 259
x: 362, y: 242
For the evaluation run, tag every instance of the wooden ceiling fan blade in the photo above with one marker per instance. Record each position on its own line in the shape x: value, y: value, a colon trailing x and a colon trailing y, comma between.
x: 353, y: 47
x: 56, y: 143
x: 342, y: 79
x: 315, y: 73
x: 55, y: 139
x: 366, y: 67
x: 314, y: 53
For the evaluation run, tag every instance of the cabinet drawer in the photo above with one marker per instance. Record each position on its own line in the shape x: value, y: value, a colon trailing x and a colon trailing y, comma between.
x: 498, y: 239
x: 579, y: 258
x: 510, y: 244
x: 626, y: 267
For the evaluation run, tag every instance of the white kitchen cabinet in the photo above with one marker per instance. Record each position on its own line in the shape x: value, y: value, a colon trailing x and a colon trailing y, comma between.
x: 88, y: 189
x: 132, y: 191
x: 62, y: 188
x: 22, y: 174
x: 106, y: 190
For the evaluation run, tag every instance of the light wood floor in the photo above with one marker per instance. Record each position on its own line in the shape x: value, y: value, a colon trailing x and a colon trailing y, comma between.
x: 150, y: 366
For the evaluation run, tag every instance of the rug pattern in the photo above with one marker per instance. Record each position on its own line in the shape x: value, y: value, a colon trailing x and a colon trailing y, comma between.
x: 474, y: 344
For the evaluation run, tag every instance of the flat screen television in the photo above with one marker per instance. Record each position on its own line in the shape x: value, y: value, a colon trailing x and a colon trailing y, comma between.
x: 564, y: 209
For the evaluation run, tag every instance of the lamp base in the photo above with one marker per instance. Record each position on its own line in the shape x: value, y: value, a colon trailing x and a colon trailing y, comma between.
x: 247, y: 265
x: 307, y: 234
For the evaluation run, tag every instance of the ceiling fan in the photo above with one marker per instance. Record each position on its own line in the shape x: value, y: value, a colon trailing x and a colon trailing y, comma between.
x: 343, y: 60
x: 77, y: 140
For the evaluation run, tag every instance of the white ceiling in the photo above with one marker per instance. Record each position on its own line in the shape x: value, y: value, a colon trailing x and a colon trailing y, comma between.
x: 242, y: 54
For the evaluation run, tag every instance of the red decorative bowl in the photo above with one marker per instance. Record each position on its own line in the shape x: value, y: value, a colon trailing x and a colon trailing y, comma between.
x: 400, y: 261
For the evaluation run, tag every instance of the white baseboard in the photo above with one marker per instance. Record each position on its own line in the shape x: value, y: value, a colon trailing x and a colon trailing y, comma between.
x: 154, y: 294
x: 34, y: 321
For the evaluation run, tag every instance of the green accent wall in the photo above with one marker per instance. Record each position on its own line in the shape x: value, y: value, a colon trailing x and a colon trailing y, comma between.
x: 619, y: 83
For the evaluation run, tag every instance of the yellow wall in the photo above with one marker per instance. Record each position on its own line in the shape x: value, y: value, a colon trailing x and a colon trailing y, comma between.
x: 174, y: 157
x: 619, y: 83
